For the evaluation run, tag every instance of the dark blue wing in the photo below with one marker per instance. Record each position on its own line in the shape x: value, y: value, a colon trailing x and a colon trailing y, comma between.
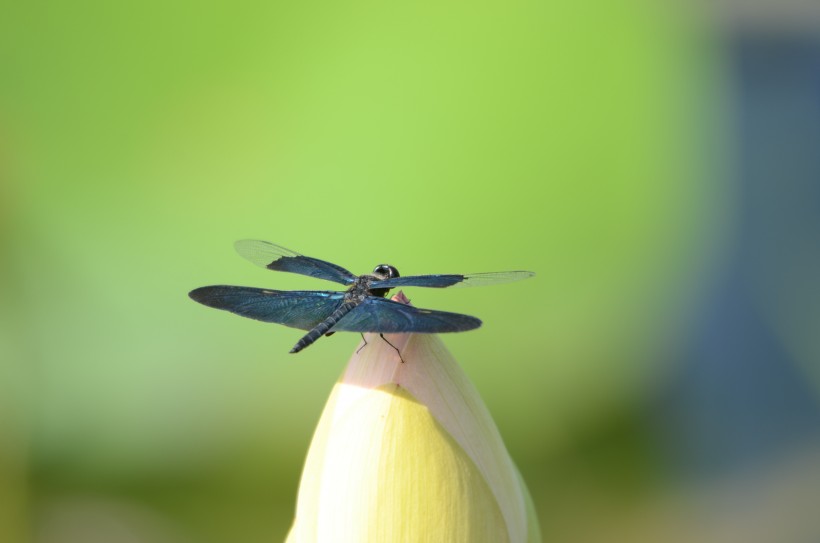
x: 274, y: 257
x: 441, y: 281
x: 385, y: 316
x: 296, y: 308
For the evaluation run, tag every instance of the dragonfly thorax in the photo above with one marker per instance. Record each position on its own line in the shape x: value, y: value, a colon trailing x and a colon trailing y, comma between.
x: 360, y: 289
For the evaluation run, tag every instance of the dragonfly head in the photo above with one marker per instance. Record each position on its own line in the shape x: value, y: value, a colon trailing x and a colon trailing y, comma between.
x: 385, y: 271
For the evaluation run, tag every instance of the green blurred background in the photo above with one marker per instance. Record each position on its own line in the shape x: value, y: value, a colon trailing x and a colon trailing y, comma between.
x: 594, y: 144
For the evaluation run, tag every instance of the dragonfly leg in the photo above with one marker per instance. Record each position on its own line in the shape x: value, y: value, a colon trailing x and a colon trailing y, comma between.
x: 397, y: 350
x: 363, y: 346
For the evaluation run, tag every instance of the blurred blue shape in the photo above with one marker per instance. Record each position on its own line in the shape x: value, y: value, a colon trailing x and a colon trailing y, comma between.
x: 741, y: 400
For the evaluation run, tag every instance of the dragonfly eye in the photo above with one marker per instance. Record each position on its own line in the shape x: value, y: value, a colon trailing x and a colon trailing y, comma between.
x: 385, y: 271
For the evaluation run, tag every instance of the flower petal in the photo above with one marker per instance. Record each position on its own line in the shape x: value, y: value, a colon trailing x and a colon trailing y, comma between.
x: 390, y: 472
x: 436, y: 380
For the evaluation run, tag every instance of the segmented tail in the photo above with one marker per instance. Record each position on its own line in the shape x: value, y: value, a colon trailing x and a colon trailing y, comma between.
x: 323, y: 327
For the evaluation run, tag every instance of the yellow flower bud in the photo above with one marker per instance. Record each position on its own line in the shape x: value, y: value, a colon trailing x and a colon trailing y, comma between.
x: 407, y: 452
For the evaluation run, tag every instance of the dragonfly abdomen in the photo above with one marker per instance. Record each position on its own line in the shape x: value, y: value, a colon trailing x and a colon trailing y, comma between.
x: 323, y: 327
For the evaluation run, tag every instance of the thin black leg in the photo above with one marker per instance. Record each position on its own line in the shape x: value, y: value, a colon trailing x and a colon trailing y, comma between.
x: 397, y: 350
x: 363, y: 346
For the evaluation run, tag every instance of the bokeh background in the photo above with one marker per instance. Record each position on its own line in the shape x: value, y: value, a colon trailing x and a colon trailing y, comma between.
x: 656, y: 163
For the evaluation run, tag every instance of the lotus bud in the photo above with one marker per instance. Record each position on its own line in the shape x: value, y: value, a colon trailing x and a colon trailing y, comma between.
x: 406, y: 451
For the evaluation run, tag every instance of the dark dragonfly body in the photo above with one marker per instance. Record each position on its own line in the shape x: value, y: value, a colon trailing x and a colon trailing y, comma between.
x: 361, y: 308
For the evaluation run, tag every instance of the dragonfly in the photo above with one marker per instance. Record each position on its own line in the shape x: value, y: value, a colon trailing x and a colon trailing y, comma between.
x: 362, y: 307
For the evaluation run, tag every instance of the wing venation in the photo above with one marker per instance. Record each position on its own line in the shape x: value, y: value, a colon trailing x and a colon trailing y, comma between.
x: 294, y: 308
x: 277, y: 258
x: 453, y: 280
x: 385, y: 316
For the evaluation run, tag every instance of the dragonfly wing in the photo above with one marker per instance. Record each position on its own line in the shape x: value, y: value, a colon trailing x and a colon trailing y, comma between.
x: 452, y: 280
x: 297, y: 308
x: 385, y: 316
x: 275, y: 257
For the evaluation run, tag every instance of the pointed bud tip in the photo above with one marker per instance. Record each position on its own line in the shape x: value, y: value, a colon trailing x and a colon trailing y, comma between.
x: 401, y: 298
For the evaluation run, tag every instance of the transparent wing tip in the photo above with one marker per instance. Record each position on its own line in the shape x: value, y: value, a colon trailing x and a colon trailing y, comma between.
x: 494, y: 278
x: 245, y: 246
x: 261, y: 252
